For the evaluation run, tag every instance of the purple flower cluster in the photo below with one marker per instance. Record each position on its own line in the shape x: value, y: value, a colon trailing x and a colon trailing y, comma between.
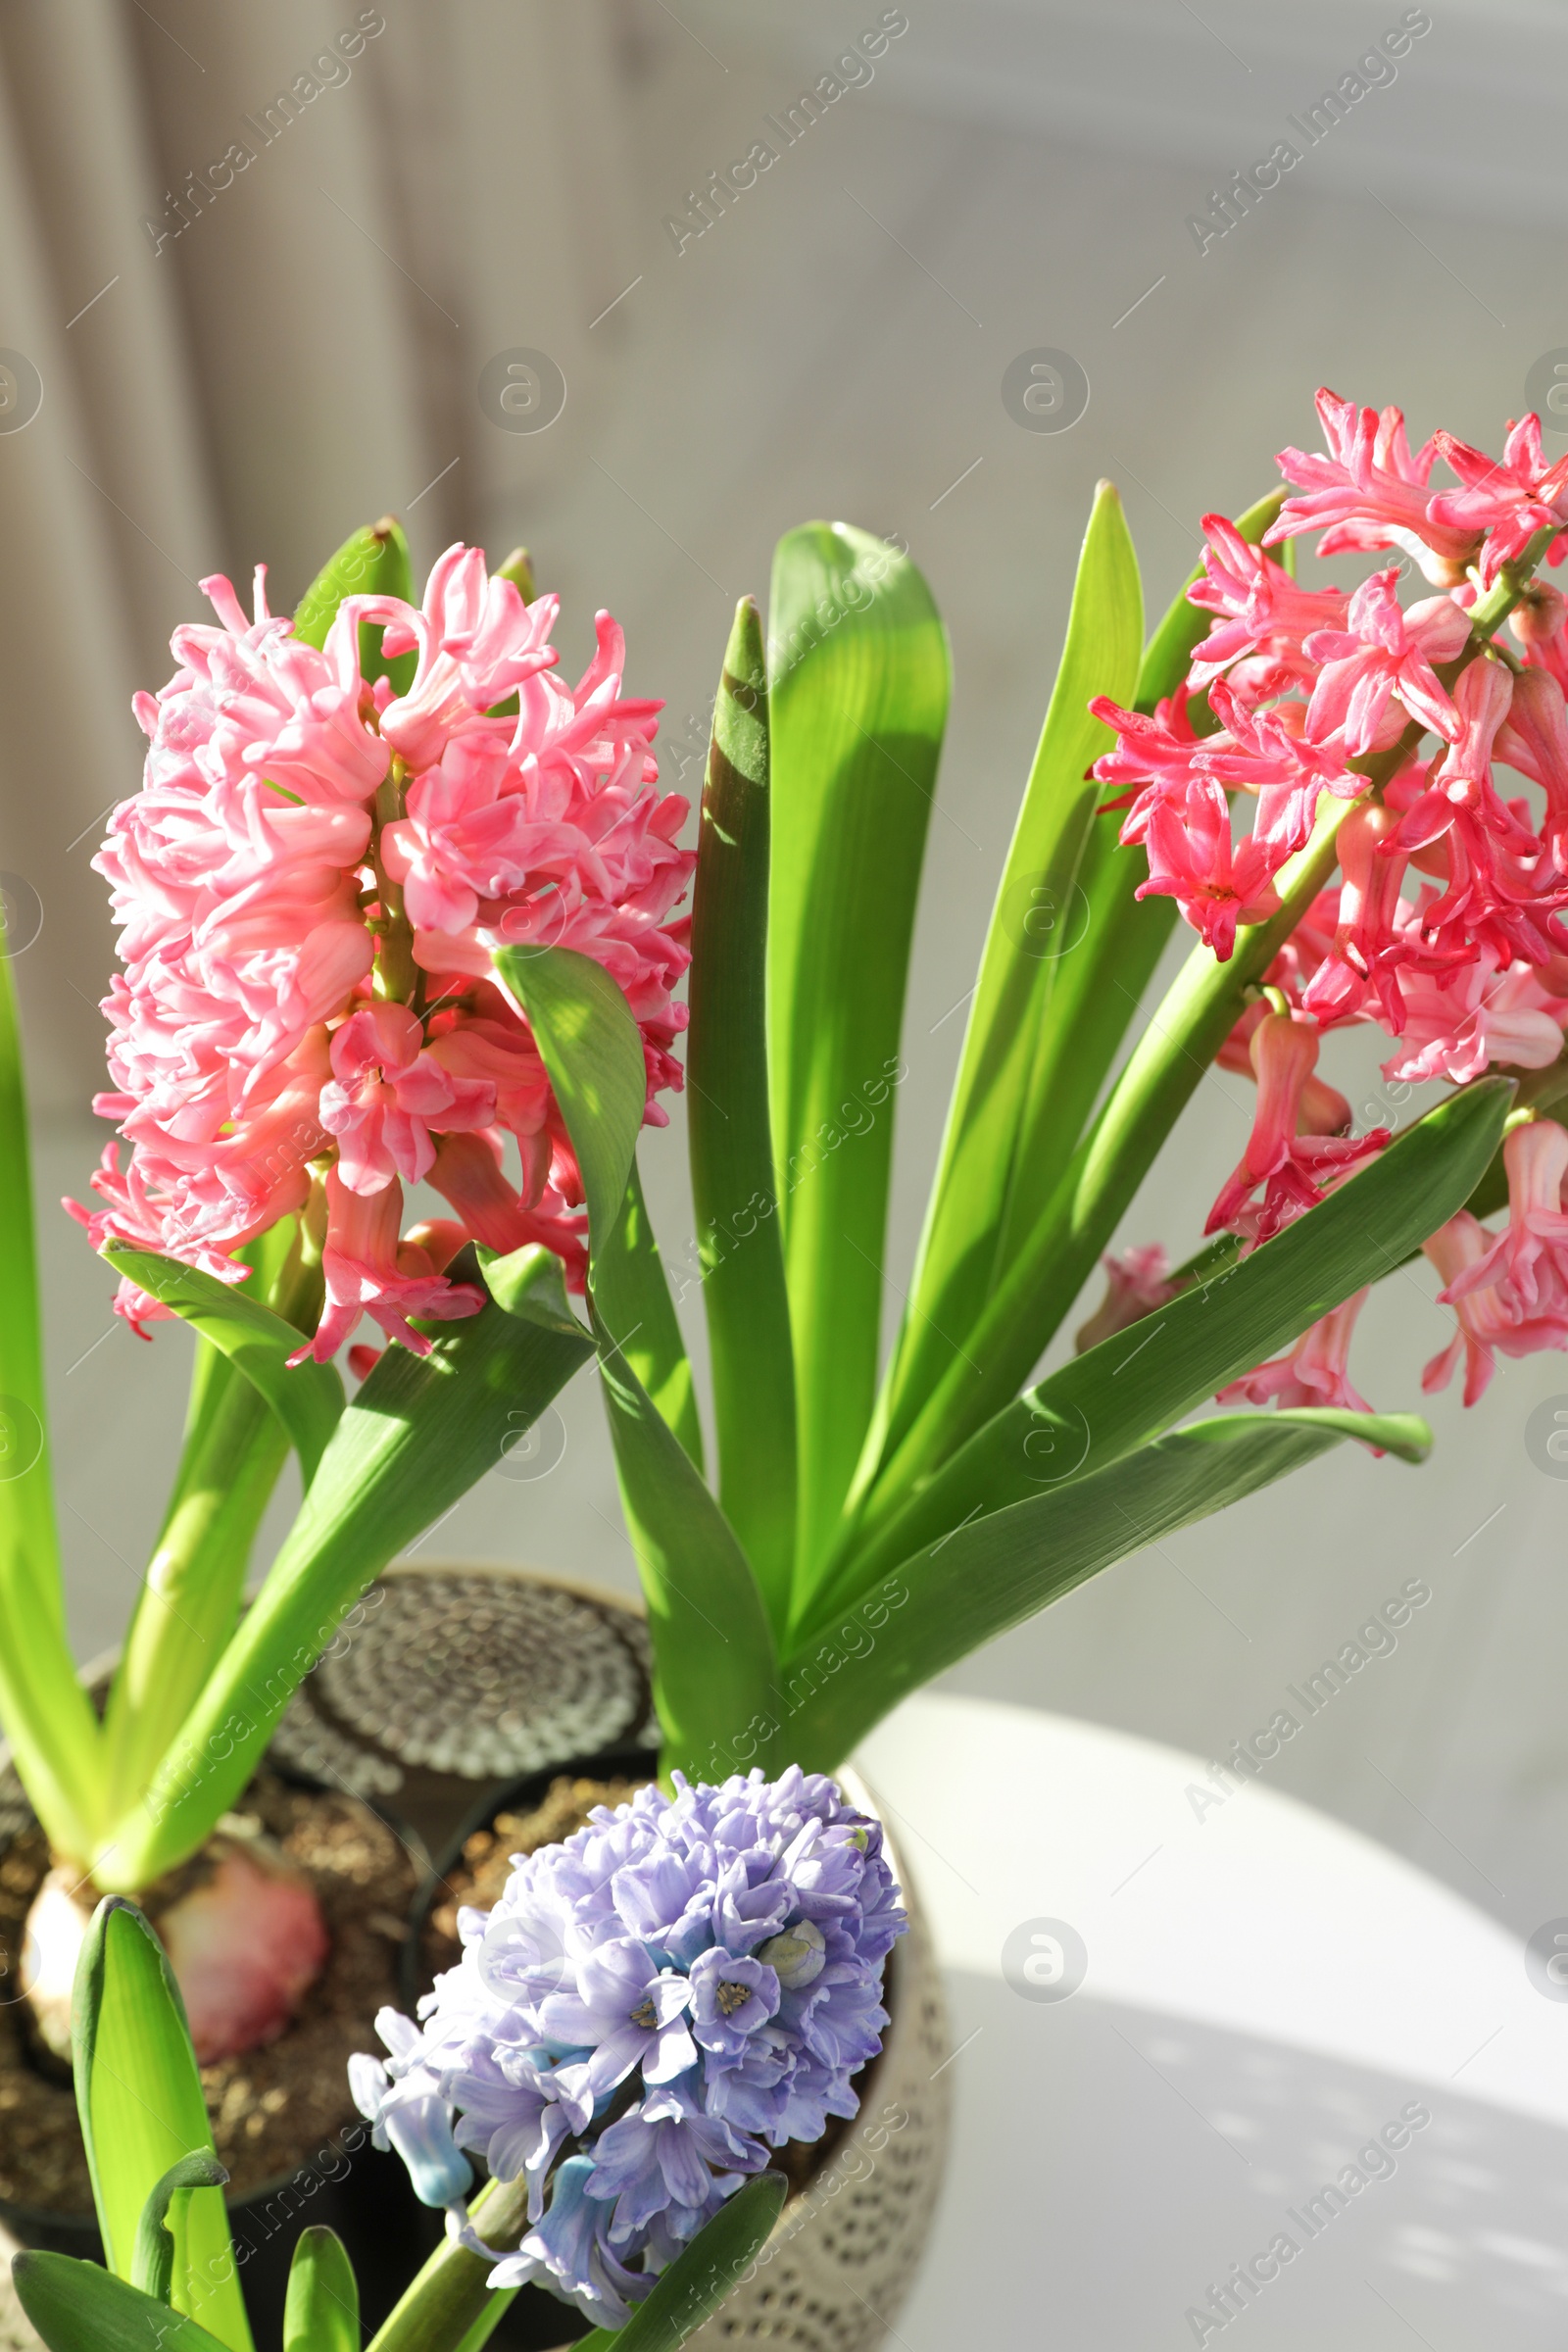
x: 650, y: 2006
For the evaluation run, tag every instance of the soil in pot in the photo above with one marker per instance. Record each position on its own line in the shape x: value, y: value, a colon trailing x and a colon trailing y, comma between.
x: 284, y: 2121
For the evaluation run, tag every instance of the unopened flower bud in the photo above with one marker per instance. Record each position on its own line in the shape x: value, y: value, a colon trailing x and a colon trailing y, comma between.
x: 797, y: 1956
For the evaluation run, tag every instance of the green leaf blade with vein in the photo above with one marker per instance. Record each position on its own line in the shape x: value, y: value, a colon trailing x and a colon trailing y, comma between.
x: 152, y: 2261
x: 321, y: 2311
x: 984, y: 1181
x: 139, y: 2098
x: 593, y: 1051
x: 1104, y: 1404
x: 729, y: 1126
x: 76, y: 2307
x: 1100, y: 983
x: 979, y: 1581
x: 632, y: 1294
x: 417, y: 1435
x: 715, y: 1666
x: 307, y: 1399
x: 1096, y: 964
x: 53, y: 1731
x: 858, y: 706
x: 591, y: 1047
x: 234, y: 1448
x: 1170, y: 1058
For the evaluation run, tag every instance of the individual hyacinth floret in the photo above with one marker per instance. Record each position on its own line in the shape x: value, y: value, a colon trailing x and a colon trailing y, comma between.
x: 309, y: 887
x: 651, y: 2007
x: 1446, y: 927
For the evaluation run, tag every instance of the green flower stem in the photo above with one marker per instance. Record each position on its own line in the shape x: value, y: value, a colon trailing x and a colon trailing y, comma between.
x: 189, y: 1599
x: 396, y: 975
x: 451, y: 2296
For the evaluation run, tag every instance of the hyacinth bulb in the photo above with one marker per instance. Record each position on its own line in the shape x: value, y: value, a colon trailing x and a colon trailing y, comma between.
x: 242, y: 1928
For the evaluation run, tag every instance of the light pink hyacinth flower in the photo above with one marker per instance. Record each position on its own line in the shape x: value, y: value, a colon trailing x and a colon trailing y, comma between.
x: 309, y: 887
x: 1315, y: 1371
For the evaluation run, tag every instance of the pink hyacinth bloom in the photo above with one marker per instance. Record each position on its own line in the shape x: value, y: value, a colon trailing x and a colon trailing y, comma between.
x: 1377, y: 671
x: 368, y: 1272
x: 265, y: 1041
x: 1367, y: 949
x: 1216, y: 882
x: 1538, y: 623
x: 1533, y: 739
x: 1294, y: 1167
x: 477, y: 643
x: 1264, y: 618
x: 1528, y: 1263
x: 1369, y: 492
x: 1509, y: 499
x: 1457, y: 1023
x: 1135, y: 1283
x: 1315, y: 1372
x: 1488, y: 1325
x: 1461, y: 780
x: 387, y: 1093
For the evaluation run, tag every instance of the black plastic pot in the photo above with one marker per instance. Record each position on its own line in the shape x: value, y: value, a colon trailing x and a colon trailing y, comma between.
x: 355, y: 2189
x: 362, y: 2194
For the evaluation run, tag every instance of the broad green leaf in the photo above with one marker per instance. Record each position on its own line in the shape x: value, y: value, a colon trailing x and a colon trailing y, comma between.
x: 1100, y: 983
x: 323, y: 2311
x: 712, y: 1646
x: 417, y: 1435
x: 152, y: 2261
x: 1104, y: 1404
x: 373, y: 562
x: 697, y: 2281
x: 1094, y: 944
x: 729, y: 1128
x: 859, y: 666
x: 633, y: 1297
x: 714, y: 1667
x: 307, y: 1399
x: 1049, y: 1269
x: 987, y: 1181
x: 975, y: 1582
x: 44, y: 1710
x: 139, y: 2098
x: 591, y: 1047
x: 76, y: 2307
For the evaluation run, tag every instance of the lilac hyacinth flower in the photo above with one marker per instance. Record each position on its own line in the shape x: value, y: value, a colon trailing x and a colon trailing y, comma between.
x: 732, y: 1998
x: 403, y: 2102
x: 667, y: 2153
x: 652, y: 2007
x: 628, y: 2011
x: 568, y: 2251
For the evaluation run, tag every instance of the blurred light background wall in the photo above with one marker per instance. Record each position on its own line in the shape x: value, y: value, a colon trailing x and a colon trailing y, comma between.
x: 242, y: 364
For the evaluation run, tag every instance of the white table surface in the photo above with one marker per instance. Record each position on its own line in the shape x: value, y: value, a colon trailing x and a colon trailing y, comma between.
x: 1264, y: 1990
